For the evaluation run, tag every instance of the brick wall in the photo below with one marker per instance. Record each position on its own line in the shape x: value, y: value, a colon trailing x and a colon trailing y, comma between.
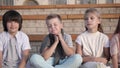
x: 72, y: 25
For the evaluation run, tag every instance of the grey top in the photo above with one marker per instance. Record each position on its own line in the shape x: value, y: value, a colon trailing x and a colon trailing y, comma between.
x: 46, y: 41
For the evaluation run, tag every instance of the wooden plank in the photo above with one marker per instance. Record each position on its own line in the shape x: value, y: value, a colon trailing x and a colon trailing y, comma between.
x: 62, y: 6
x: 41, y: 37
x: 89, y: 6
x: 36, y: 37
x: 67, y: 16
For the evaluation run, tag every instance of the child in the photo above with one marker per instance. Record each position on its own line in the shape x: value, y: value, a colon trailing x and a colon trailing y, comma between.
x: 115, y: 47
x: 93, y: 44
x: 57, y: 48
x: 14, y: 44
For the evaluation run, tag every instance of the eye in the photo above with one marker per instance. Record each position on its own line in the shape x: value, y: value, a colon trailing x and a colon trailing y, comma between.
x: 91, y: 18
x: 55, y: 24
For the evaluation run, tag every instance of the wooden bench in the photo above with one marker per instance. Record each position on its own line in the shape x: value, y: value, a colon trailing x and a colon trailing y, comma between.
x: 40, y: 37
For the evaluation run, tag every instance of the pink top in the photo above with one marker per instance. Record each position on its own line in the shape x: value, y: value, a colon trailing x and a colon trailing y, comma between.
x: 115, y: 46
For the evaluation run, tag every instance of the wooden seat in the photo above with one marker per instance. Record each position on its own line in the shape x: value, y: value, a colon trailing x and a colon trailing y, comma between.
x: 41, y: 37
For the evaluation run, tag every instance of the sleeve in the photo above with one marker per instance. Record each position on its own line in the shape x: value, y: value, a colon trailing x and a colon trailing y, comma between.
x: 68, y: 40
x: 26, y: 43
x: 45, y: 43
x: 78, y: 40
x: 113, y: 46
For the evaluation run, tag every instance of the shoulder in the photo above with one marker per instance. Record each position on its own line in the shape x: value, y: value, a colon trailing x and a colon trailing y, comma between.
x: 21, y: 35
x: 45, y: 42
x: 46, y: 39
x: 115, y: 37
x: 102, y: 35
x: 82, y: 34
x: 4, y: 35
x: 67, y: 35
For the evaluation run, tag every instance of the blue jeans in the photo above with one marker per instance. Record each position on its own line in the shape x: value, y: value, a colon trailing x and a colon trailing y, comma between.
x: 37, y: 61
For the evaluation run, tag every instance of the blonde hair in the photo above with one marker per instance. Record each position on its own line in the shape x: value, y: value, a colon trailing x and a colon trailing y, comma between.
x: 93, y: 10
x: 51, y: 16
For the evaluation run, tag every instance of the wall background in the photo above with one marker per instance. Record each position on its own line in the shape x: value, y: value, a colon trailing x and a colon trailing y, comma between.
x: 72, y: 15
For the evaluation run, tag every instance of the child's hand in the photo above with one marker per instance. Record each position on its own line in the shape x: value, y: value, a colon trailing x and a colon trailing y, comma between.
x: 60, y: 37
x: 103, y: 60
x: 56, y: 39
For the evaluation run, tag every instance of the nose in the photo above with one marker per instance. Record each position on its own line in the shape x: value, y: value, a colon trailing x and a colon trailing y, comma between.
x: 12, y: 23
x: 52, y: 27
x: 89, y: 20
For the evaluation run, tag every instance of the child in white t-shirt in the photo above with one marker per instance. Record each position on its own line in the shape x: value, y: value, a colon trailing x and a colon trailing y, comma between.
x: 14, y: 44
x: 93, y: 44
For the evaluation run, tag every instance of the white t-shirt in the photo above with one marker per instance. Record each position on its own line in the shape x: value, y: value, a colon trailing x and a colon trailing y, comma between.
x: 93, y: 43
x: 22, y: 43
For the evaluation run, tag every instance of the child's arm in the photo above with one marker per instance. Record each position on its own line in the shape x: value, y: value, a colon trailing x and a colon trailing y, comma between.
x: 115, y: 61
x: 96, y: 59
x: 68, y: 50
x: 0, y: 59
x: 107, y: 53
x: 24, y: 58
x: 47, y: 52
x: 78, y: 49
x: 89, y: 58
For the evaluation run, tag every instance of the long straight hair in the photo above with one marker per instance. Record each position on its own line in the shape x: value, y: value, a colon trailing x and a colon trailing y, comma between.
x: 93, y: 10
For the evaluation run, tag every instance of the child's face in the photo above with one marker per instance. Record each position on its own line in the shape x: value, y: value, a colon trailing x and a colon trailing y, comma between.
x: 12, y: 26
x: 91, y: 21
x: 54, y: 26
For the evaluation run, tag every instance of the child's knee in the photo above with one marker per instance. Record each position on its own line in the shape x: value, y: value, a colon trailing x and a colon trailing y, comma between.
x: 78, y: 58
x: 35, y: 57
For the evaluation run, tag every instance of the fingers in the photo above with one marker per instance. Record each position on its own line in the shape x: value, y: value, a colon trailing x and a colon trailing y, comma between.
x: 104, y: 60
x: 56, y: 38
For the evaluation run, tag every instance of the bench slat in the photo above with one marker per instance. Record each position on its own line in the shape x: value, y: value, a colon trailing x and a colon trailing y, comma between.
x: 41, y: 37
